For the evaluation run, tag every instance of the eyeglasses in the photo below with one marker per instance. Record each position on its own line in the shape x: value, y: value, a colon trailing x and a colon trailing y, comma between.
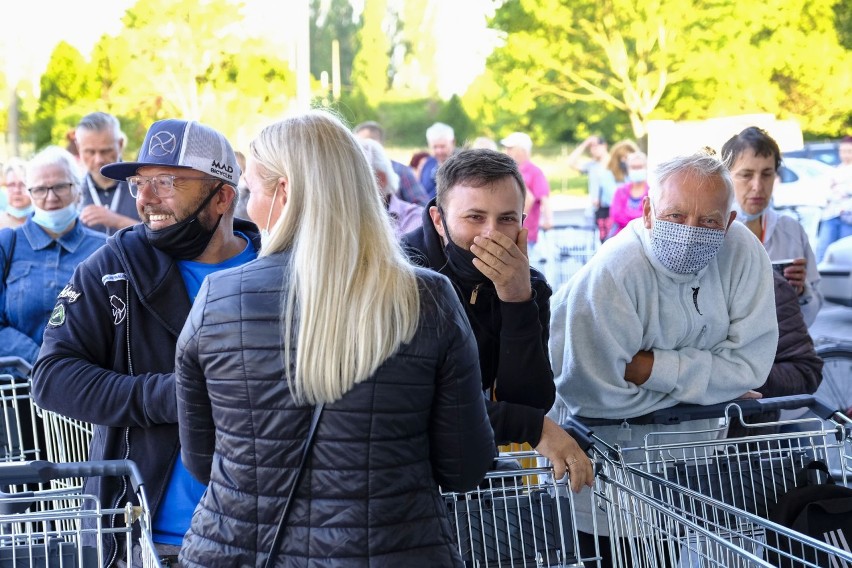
x: 19, y: 185
x: 163, y: 185
x: 60, y: 190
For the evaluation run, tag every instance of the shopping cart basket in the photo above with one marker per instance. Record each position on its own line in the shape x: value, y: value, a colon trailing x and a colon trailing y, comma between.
x: 565, y: 249
x: 52, y: 528
x: 654, y: 522
x: 518, y: 517
x: 750, y: 472
x: 21, y: 435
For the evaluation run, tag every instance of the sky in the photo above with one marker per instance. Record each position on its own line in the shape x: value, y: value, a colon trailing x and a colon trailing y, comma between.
x: 26, y: 48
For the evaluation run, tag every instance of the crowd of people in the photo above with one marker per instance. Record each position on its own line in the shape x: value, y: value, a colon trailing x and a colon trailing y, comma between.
x: 374, y: 330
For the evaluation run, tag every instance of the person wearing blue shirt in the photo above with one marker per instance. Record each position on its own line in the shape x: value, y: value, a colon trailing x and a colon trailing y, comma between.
x: 39, y: 257
x: 109, y: 348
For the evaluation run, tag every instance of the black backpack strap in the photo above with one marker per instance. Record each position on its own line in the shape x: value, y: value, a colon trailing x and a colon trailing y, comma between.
x: 8, y: 253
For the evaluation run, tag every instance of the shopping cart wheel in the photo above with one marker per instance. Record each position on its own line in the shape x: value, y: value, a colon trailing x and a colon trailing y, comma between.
x: 835, y: 391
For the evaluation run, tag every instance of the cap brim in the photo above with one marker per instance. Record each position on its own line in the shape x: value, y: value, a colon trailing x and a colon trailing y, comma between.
x: 120, y: 171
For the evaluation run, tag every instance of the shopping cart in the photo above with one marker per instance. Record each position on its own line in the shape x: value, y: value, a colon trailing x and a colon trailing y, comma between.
x: 65, y: 528
x: 748, y: 472
x: 654, y: 522
x: 564, y: 250
x: 519, y: 516
x: 20, y: 431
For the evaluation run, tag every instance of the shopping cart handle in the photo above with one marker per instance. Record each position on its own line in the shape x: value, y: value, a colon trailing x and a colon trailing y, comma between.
x: 580, y: 433
x: 686, y: 412
x: 14, y: 473
x: 22, y: 365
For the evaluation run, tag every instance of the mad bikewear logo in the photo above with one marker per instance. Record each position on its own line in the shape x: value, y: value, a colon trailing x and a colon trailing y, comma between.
x: 162, y: 144
x: 223, y: 170
x: 70, y: 294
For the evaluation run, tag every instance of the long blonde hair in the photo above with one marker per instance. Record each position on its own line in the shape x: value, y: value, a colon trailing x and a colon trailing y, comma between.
x: 351, y: 287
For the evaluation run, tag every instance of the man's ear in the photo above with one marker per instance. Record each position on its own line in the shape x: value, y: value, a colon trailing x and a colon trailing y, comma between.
x: 227, y: 195
x: 731, y: 219
x: 435, y: 214
x: 647, y: 212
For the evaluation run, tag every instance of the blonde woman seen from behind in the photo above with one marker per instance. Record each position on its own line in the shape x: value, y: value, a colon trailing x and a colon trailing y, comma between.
x: 330, y: 313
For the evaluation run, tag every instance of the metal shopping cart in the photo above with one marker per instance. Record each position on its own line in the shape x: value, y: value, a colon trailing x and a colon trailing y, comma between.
x: 20, y: 431
x: 564, y: 249
x: 516, y: 518
x: 58, y: 527
x: 654, y: 522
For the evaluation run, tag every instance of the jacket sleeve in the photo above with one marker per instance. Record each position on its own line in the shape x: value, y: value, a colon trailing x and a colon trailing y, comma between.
x: 797, y: 368
x: 811, y: 300
x: 73, y: 374
x: 13, y: 343
x: 524, y: 374
x: 197, y: 431
x: 461, y: 439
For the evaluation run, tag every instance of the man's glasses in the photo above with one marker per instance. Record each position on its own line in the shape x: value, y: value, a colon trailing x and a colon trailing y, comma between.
x: 60, y: 190
x: 163, y: 185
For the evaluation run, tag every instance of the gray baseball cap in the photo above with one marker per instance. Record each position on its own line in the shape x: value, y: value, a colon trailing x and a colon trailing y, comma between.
x: 182, y: 144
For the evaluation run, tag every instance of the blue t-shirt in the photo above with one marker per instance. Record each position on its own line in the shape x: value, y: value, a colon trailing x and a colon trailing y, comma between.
x: 183, y: 492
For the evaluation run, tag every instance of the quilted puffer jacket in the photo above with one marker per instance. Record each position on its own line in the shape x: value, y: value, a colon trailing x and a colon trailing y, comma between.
x: 369, y: 496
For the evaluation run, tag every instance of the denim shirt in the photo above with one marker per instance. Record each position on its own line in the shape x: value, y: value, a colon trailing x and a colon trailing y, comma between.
x: 41, y: 267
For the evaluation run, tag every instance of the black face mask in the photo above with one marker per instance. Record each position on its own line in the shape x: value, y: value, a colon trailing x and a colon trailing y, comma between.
x: 460, y: 260
x: 187, y: 239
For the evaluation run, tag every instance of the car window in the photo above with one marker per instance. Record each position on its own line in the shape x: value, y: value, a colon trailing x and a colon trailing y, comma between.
x: 787, y: 175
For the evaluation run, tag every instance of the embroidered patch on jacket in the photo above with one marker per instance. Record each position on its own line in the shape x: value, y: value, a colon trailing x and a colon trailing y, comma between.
x: 70, y: 294
x: 57, y: 317
x: 113, y: 277
x: 119, y: 309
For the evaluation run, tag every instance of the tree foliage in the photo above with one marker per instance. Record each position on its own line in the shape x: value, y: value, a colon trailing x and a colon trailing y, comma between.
x: 671, y: 59
x: 371, y: 64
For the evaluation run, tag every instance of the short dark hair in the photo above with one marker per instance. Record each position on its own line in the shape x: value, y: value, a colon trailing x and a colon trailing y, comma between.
x: 377, y: 133
x: 754, y: 138
x: 476, y: 168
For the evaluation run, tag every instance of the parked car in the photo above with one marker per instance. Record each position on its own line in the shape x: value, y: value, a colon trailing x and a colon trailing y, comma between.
x: 828, y: 152
x: 801, y: 191
x: 835, y: 272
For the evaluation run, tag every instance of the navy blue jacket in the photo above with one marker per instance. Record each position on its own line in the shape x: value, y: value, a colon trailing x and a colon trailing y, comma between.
x: 109, y: 359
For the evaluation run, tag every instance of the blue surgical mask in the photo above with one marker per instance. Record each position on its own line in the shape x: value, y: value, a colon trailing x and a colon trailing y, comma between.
x: 685, y: 249
x: 19, y: 212
x: 57, y: 220
x: 745, y: 217
x: 637, y: 176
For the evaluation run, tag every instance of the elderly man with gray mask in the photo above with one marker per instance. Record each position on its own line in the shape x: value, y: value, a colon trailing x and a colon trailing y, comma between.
x: 676, y: 308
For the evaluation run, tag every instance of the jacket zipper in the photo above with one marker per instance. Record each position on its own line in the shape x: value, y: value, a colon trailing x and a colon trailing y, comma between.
x: 474, y: 293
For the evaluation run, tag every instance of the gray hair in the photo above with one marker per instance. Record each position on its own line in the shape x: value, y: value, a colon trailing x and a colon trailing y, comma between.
x: 99, y: 122
x: 701, y: 165
x: 15, y: 165
x: 440, y: 131
x: 54, y: 156
x: 379, y: 161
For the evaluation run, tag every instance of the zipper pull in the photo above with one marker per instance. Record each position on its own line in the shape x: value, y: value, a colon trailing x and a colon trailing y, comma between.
x: 474, y: 294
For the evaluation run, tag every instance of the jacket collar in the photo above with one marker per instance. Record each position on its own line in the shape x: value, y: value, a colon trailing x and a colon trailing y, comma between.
x: 39, y: 239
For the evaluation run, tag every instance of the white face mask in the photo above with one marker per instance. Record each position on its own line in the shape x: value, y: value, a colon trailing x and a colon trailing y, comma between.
x: 264, y: 233
x: 685, y: 249
x: 56, y: 220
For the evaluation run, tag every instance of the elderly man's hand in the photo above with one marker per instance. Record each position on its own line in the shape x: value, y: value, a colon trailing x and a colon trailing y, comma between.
x: 565, y: 455
x: 505, y: 263
x: 638, y: 370
x: 796, y: 274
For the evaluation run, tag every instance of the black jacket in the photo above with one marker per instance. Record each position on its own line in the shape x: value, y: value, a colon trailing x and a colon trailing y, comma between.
x: 110, y: 360
x: 369, y: 496
x: 511, y: 337
x: 797, y: 368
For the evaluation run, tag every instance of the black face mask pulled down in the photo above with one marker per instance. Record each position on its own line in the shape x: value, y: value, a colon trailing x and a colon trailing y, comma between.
x: 186, y: 239
x: 460, y: 260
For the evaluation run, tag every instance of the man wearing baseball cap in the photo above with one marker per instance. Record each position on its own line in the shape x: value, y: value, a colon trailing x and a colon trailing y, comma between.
x: 109, y: 349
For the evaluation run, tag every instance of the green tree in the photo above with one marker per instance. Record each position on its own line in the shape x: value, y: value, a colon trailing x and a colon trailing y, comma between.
x: 66, y: 89
x: 191, y: 61
x: 370, y: 67
x: 333, y: 20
